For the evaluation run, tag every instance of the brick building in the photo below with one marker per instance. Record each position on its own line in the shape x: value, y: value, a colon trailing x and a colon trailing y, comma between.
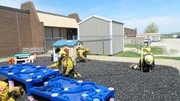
x: 130, y: 32
x: 22, y: 30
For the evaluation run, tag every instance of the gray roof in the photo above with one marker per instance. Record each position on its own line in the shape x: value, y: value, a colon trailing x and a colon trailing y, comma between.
x: 106, y: 19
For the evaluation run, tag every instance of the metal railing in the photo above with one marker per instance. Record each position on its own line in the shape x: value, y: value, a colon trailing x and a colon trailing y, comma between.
x: 137, y: 44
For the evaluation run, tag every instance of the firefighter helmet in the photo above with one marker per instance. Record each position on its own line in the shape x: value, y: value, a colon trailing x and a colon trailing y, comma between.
x: 148, y: 49
x: 87, y: 49
x: 149, y: 59
x: 62, y: 52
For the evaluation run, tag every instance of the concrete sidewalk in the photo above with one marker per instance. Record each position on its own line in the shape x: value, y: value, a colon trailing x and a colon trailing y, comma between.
x: 173, y: 63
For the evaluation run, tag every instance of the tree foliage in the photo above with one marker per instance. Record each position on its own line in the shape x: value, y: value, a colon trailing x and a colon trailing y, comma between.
x: 151, y: 28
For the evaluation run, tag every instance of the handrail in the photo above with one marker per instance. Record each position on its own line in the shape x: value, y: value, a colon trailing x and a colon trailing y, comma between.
x: 138, y: 44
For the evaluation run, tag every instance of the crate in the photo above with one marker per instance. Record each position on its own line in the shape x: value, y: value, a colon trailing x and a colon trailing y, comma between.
x: 47, y: 84
x: 27, y: 74
x: 66, y: 89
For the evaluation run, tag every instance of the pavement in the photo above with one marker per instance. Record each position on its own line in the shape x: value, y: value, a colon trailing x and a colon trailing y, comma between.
x: 173, y: 63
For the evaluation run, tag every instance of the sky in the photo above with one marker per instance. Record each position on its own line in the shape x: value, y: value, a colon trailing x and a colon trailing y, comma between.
x: 133, y: 13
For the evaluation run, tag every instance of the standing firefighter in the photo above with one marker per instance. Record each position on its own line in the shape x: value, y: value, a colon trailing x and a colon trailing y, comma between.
x: 146, y: 62
x: 82, y: 54
x: 10, y: 95
x: 67, y: 63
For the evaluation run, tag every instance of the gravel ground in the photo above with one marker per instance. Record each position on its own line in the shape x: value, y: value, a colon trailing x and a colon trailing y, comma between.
x: 130, y: 85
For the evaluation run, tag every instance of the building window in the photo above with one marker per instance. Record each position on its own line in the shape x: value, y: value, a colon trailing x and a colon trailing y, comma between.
x: 71, y: 34
x: 56, y: 33
x: 48, y: 33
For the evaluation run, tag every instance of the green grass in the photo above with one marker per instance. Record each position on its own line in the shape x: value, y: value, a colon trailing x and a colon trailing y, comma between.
x: 132, y: 45
x: 165, y: 57
x: 157, y: 50
x: 126, y: 45
x: 128, y: 54
x: 154, y: 50
x: 129, y: 45
x: 136, y: 55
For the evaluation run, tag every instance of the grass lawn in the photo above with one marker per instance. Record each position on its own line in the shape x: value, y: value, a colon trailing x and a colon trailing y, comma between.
x: 129, y: 45
x: 128, y: 54
x: 157, y: 50
x: 154, y: 50
x: 137, y: 55
x: 165, y: 57
x: 132, y: 46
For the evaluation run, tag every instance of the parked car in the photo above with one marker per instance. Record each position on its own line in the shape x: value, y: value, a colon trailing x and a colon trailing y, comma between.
x: 147, y: 41
x: 178, y: 36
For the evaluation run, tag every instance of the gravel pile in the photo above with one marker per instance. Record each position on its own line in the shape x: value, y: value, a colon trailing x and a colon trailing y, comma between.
x: 130, y: 85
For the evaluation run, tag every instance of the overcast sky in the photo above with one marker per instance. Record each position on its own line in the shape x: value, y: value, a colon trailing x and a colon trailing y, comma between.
x: 134, y: 13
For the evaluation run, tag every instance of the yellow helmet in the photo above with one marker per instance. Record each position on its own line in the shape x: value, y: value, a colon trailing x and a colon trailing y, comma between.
x: 148, y: 49
x: 87, y: 49
x: 149, y: 59
x: 62, y: 52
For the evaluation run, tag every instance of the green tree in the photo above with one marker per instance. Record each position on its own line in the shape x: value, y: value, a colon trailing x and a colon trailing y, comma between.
x: 151, y: 28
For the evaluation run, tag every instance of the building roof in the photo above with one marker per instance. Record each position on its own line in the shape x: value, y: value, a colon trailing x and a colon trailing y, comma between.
x: 106, y: 19
x: 14, y: 9
x: 69, y: 43
x: 55, y: 20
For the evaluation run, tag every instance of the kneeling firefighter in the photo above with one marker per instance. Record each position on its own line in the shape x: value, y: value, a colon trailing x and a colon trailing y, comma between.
x: 82, y: 54
x: 68, y: 65
x: 12, y: 94
x: 146, y: 62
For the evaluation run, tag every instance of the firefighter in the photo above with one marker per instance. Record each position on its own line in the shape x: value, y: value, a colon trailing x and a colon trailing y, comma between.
x: 146, y: 62
x: 67, y: 63
x: 82, y: 54
x: 12, y: 94
x: 61, y: 55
